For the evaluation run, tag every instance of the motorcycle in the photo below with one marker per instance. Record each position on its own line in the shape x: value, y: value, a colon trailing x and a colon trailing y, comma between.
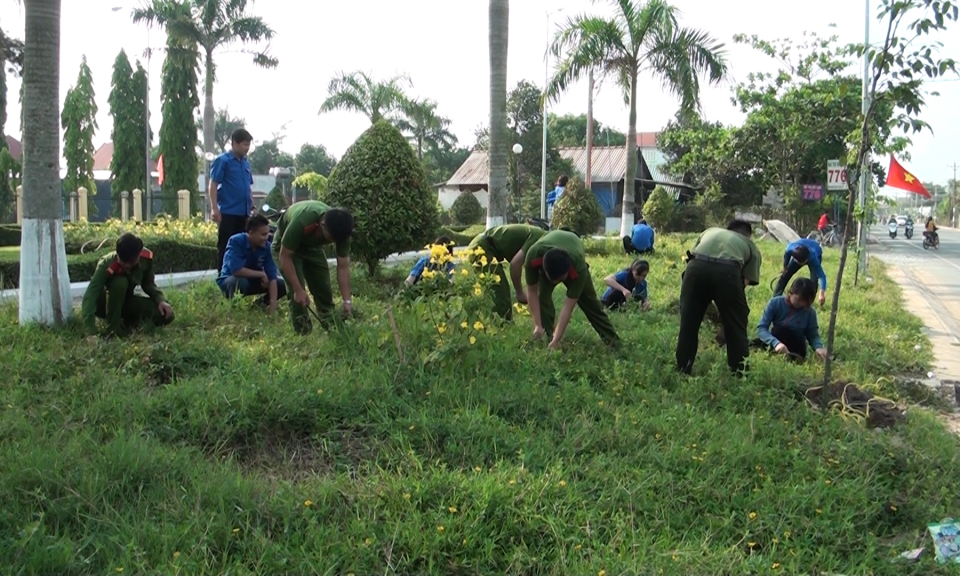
x: 273, y: 216
x: 908, y: 230
x: 931, y: 240
x: 541, y: 223
x: 893, y: 229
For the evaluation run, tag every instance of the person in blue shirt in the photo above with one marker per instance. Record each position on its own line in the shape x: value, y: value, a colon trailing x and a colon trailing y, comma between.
x: 803, y: 252
x: 248, y: 266
x: 629, y: 284
x: 641, y: 240
x: 556, y: 193
x: 789, y: 322
x: 424, y: 263
x: 231, y: 190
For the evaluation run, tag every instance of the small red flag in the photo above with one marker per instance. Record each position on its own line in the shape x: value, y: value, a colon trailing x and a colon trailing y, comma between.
x: 160, y: 170
x: 898, y: 177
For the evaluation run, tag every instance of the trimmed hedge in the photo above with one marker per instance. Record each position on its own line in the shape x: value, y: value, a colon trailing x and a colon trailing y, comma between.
x: 9, y: 235
x: 169, y: 256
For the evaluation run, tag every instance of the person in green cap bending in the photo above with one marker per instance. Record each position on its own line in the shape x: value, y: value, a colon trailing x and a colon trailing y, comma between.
x: 508, y: 243
x: 559, y: 257
x: 302, y: 232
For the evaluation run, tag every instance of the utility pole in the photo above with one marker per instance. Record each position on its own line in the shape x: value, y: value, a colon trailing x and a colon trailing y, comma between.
x: 953, y: 196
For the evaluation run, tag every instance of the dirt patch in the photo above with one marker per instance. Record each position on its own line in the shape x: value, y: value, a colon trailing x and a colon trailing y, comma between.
x: 851, y: 401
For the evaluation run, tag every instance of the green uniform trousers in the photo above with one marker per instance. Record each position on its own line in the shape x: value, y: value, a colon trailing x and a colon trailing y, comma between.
x: 705, y: 282
x: 313, y: 272
x: 588, y: 302
x: 119, y: 306
x: 499, y: 292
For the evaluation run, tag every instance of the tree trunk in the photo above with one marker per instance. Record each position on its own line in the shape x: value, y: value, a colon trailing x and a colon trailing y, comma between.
x: 630, y: 178
x: 497, y: 182
x: 44, y: 280
x: 208, y: 112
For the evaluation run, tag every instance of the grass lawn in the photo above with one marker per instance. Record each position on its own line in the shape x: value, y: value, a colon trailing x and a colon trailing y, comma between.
x: 225, y: 444
x: 10, y: 251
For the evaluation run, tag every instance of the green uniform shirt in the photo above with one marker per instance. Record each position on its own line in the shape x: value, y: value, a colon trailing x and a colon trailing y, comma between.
x: 569, y: 243
x: 510, y: 239
x: 109, y: 267
x: 729, y: 245
x: 299, y: 229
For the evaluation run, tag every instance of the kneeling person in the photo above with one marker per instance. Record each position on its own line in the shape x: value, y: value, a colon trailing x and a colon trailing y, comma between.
x: 248, y: 266
x: 110, y: 294
x: 789, y: 322
x: 555, y: 258
x: 627, y: 284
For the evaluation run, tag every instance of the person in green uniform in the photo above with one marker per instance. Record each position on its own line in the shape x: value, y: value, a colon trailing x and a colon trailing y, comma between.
x: 559, y: 257
x: 721, y: 265
x: 110, y: 296
x: 302, y: 232
x: 506, y: 243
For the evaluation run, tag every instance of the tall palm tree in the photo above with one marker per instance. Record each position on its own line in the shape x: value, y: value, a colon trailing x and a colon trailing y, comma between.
x: 223, y: 126
x: 359, y: 92
x: 211, y: 24
x: 499, y: 24
x: 642, y: 36
x: 44, y: 280
x: 423, y: 126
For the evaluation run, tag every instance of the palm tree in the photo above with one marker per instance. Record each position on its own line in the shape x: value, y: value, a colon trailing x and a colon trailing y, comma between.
x: 497, y: 182
x: 223, y: 126
x: 359, y: 92
x: 424, y: 127
x: 211, y: 24
x: 44, y: 280
x: 640, y: 37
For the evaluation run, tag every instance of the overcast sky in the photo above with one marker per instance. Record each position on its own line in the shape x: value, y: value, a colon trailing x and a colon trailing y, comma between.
x: 442, y: 46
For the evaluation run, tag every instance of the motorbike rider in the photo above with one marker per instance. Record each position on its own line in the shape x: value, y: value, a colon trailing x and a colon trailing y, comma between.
x: 930, y: 229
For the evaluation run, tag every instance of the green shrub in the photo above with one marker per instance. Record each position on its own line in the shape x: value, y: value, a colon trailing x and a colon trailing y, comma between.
x: 385, y: 187
x: 169, y: 256
x: 714, y: 211
x: 660, y: 210
x: 466, y: 209
x: 689, y: 218
x: 315, y: 183
x: 9, y: 235
x: 578, y: 209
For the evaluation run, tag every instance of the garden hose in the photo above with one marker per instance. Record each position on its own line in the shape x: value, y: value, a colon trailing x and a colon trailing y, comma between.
x: 844, y: 409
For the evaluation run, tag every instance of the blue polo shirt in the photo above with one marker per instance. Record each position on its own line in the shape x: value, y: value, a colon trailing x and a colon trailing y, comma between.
x: 625, y: 279
x: 234, y: 180
x: 816, y: 258
x: 642, y: 237
x: 240, y: 254
x: 423, y: 264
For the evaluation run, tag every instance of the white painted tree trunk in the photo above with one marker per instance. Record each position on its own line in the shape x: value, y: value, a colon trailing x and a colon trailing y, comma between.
x: 629, y: 182
x: 44, y: 281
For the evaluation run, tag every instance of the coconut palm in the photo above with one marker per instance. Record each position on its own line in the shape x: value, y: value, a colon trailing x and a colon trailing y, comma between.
x: 639, y: 37
x: 497, y: 182
x: 210, y: 24
x: 424, y: 127
x: 44, y: 280
x: 359, y: 92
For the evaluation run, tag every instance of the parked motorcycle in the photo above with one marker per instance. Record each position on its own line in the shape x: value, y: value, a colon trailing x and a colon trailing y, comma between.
x: 931, y: 240
x: 893, y: 229
x: 908, y: 229
x: 273, y: 216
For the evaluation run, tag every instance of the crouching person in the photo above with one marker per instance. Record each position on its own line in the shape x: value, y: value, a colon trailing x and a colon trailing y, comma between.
x: 789, y: 322
x: 110, y: 294
x: 442, y: 249
x: 248, y: 266
x: 629, y: 284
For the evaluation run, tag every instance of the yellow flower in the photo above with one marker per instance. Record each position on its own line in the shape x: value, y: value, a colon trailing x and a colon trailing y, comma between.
x: 483, y: 260
x: 406, y: 496
x: 477, y: 290
x: 473, y: 339
x: 464, y: 272
x: 452, y: 509
x: 442, y: 328
x: 464, y: 324
x: 752, y: 515
x: 236, y: 530
x: 477, y: 469
x: 512, y: 482
x: 368, y: 541
x: 119, y: 569
x: 496, y: 279
x: 751, y: 544
x: 775, y: 565
x: 563, y: 483
x: 478, y: 325
x: 176, y: 555
x: 320, y: 391
x: 308, y: 503
x: 376, y: 317
x: 440, y: 528
x: 602, y: 573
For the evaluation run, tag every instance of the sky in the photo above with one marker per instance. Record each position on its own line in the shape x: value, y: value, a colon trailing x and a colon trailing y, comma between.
x: 442, y: 46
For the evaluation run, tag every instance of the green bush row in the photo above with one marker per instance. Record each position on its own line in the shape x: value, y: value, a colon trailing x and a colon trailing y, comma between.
x: 169, y: 256
x: 9, y: 235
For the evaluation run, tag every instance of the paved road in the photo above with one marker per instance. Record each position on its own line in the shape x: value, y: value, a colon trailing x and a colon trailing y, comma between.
x: 931, y: 284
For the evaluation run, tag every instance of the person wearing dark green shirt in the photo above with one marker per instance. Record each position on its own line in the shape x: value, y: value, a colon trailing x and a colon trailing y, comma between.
x: 110, y: 293
x: 302, y: 232
x: 508, y: 243
x: 559, y: 257
x: 721, y: 265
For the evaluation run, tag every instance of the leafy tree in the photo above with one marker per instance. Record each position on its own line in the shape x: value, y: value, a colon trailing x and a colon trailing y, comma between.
x: 210, y: 25
x: 570, y: 131
x: 383, y: 184
x: 223, y: 126
x: 423, y: 127
x: 315, y: 184
x: 578, y: 209
x: 9, y: 180
x: 498, y: 34
x: 11, y: 54
x: 314, y: 158
x: 441, y: 163
x: 268, y: 155
x: 641, y: 36
x: 178, y: 134
x: 466, y: 209
x: 359, y: 92
x: 79, y: 122
x: 898, y: 68
x: 276, y: 198
x: 128, y: 169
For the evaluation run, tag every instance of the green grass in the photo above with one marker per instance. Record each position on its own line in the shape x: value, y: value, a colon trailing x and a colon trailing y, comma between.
x: 11, y: 251
x: 195, y: 450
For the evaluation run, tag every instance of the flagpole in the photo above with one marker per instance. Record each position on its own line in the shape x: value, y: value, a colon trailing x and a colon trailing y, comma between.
x: 865, y: 167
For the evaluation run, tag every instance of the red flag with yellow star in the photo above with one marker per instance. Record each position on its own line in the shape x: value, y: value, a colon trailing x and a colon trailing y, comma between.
x: 898, y: 177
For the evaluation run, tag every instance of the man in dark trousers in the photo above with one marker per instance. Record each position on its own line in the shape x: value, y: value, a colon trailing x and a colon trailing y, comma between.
x: 721, y: 265
x: 508, y: 244
x: 231, y: 191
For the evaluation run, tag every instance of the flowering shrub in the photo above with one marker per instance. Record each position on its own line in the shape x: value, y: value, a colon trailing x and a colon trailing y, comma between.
x: 89, y: 236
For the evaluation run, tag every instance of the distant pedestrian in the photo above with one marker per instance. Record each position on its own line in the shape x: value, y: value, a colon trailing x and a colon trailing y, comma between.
x: 231, y: 190
x: 721, y: 265
x: 641, y: 239
x: 554, y: 196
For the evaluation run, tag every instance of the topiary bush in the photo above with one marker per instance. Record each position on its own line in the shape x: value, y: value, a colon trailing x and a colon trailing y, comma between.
x: 381, y: 182
x: 466, y: 209
x: 660, y: 211
x: 578, y: 209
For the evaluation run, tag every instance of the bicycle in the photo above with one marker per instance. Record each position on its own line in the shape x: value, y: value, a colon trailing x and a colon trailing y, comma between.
x: 827, y: 238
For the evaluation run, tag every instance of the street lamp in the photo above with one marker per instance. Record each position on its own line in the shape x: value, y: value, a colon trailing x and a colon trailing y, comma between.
x: 546, y: 80
x: 146, y: 105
